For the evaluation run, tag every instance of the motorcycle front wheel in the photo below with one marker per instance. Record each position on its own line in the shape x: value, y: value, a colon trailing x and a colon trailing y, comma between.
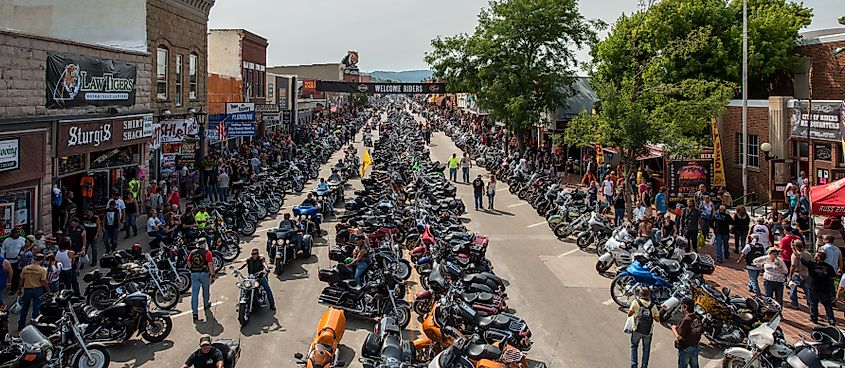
x: 602, y: 267
x: 402, y: 269
x: 97, y: 358
x: 157, y: 329
x: 402, y: 315
x: 583, y: 241
x: 243, y: 315
x: 733, y: 362
x: 619, y: 291
x: 167, y: 296
x: 247, y: 228
x: 230, y: 251
x: 562, y: 231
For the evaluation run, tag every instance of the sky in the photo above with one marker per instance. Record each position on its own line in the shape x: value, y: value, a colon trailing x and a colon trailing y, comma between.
x: 392, y: 34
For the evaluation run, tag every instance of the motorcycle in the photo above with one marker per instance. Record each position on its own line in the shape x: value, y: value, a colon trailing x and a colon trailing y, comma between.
x: 284, y: 244
x: 600, y: 230
x: 767, y: 349
x: 252, y: 295
x: 727, y: 320
x: 374, y: 299
x: 384, y: 348
x: 323, y: 352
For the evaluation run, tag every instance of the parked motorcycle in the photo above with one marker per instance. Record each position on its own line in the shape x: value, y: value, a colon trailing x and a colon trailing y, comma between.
x: 323, y: 351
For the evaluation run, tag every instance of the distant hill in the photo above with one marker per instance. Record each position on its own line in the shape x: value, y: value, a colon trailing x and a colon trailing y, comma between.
x: 408, y: 76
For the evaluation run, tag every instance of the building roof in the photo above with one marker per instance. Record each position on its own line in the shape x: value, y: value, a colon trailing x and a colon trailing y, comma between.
x: 583, y: 100
x: 822, y: 36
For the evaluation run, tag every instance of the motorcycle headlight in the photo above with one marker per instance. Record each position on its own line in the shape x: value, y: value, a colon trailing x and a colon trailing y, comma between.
x: 255, y: 284
x: 699, y: 310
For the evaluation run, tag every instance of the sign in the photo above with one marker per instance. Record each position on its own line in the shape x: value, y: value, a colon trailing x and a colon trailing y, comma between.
x: 686, y: 175
x: 239, y: 107
x: 212, y: 133
x: 266, y: 108
x: 383, y: 88
x: 240, y: 129
x: 718, y: 163
x: 310, y: 84
x: 822, y: 152
x: 825, y: 120
x: 287, y: 117
x: 82, y: 136
x: 173, y: 131
x: 283, y: 98
x: 78, y: 81
x: 10, y: 154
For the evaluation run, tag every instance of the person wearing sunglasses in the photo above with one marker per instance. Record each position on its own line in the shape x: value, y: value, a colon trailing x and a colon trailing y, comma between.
x: 255, y: 264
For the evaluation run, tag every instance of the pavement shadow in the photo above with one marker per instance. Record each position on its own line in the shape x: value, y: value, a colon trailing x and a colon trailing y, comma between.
x: 262, y: 322
x: 357, y: 323
x: 536, y: 364
x: 208, y: 324
x: 296, y: 270
x: 710, y: 351
x: 135, y: 353
x: 346, y: 354
x: 499, y: 213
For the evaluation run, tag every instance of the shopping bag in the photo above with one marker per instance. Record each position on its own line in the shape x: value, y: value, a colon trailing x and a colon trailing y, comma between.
x: 700, y: 240
x: 16, y: 308
x: 629, y: 325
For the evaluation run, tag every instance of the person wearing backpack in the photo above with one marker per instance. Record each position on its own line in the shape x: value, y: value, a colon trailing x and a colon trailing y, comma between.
x: 750, y: 252
x: 688, y: 335
x: 201, y: 265
x: 645, y: 313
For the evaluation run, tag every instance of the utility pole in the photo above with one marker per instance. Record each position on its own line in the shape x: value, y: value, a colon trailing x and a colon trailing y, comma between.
x: 744, y: 102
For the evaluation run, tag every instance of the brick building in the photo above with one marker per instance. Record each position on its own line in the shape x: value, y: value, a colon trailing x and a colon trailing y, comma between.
x: 782, y: 121
x: 237, y: 62
x: 89, y: 139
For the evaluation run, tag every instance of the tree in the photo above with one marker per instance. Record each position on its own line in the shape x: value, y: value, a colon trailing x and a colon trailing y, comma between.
x: 519, y: 59
x: 359, y: 99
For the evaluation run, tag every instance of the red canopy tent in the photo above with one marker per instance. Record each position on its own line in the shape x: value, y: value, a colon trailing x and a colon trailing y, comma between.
x: 829, y: 199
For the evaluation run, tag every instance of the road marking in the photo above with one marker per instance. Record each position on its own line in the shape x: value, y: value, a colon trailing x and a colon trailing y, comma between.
x: 608, y: 302
x: 713, y: 364
x: 568, y: 253
x: 517, y: 204
x: 501, y: 189
x: 537, y: 224
x: 187, y: 312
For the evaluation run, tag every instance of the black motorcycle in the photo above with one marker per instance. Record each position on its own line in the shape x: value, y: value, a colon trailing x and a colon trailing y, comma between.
x: 374, y: 299
x: 384, y: 347
x: 252, y: 295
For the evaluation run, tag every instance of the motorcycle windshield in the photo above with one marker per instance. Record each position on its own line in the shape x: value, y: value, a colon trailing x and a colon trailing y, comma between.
x: 31, y: 336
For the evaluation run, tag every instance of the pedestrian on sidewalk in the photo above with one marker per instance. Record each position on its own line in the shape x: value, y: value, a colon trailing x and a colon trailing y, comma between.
x: 593, y: 193
x: 67, y: 258
x: 799, y: 274
x: 466, y: 164
x: 707, y: 211
x: 774, y: 273
x: 741, y: 223
x: 201, y: 265
x: 689, y: 225
x: 33, y: 285
x: 453, y: 167
x: 11, y: 250
x: 111, y: 219
x: 749, y: 253
x: 785, y: 244
x: 661, y: 200
x: 821, y: 284
x: 619, y: 207
x: 688, y: 335
x: 478, y: 192
x: 78, y: 241
x: 223, y: 186
x: 722, y: 222
x: 91, y: 223
x: 833, y: 256
x: 764, y: 235
x: 645, y: 313
x: 491, y: 191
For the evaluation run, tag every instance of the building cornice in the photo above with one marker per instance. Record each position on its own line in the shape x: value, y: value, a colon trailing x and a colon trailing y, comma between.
x: 199, y: 8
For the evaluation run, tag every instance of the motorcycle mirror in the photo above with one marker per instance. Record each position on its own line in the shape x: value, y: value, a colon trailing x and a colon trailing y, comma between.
x: 297, y: 356
x: 726, y: 291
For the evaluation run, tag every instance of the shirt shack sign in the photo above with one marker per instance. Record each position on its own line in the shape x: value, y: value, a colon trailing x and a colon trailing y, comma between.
x: 78, y: 137
x: 82, y: 81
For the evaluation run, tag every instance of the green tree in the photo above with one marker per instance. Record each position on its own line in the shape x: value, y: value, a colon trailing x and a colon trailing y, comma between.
x: 518, y: 60
x: 359, y: 99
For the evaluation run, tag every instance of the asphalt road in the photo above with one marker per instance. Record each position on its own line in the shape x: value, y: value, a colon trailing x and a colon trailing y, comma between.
x: 552, y: 285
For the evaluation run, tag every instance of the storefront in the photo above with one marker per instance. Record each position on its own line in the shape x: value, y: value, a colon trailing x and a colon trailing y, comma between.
x: 822, y: 141
x: 96, y: 158
x: 22, y: 181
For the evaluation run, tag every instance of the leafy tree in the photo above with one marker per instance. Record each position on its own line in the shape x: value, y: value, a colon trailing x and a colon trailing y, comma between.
x: 518, y: 58
x: 359, y: 99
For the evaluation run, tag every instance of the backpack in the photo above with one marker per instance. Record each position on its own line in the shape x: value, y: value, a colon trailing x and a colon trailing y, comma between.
x: 755, y: 252
x: 644, y: 319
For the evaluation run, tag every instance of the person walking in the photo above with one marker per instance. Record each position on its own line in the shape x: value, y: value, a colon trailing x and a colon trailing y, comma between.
x: 478, y: 192
x: 111, y: 221
x: 78, y: 240
x: 821, y: 286
x: 833, y: 256
x: 453, y: 167
x: 11, y: 249
x: 91, y: 223
x: 131, y: 217
x: 6, y: 272
x: 607, y: 189
x: 741, y: 224
x: 764, y: 235
x: 749, y: 253
x: 645, y: 313
x: 689, y: 225
x: 688, y: 335
x: 774, y: 273
x: 255, y: 264
x: 66, y: 258
x: 491, y: 191
x: 619, y: 207
x: 33, y: 285
x: 722, y: 222
x: 201, y: 265
x: 223, y: 185
x: 799, y: 274
x: 466, y: 164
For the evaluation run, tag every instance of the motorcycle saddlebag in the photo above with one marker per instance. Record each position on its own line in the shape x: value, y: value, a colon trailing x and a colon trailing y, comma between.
x: 329, y: 275
x: 109, y: 261
x: 482, y: 241
x: 337, y: 254
x: 702, y: 264
x: 231, y: 350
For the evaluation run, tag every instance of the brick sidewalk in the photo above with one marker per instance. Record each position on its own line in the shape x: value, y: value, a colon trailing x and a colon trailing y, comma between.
x: 734, y: 276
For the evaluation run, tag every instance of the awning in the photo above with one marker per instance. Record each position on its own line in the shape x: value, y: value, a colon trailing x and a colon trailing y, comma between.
x: 828, y: 199
x: 653, y: 152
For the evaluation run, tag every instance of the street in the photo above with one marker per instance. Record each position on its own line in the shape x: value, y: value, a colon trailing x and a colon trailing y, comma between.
x: 552, y: 285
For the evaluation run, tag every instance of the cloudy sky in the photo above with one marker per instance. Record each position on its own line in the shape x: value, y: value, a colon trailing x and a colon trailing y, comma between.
x: 390, y: 34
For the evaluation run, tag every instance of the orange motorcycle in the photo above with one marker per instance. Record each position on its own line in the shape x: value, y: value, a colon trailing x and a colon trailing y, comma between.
x: 323, y: 350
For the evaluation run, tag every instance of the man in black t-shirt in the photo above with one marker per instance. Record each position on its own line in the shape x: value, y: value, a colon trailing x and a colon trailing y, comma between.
x: 255, y: 264
x: 478, y: 191
x: 189, y: 224
x: 206, y: 357
x: 821, y: 286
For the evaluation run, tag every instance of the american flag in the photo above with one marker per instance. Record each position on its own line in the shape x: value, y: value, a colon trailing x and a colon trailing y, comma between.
x: 221, y: 131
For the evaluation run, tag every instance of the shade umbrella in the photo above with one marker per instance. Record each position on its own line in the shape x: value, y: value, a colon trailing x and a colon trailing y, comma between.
x: 828, y: 199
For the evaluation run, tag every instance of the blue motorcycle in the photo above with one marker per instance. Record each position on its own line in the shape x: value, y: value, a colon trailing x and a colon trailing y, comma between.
x: 310, y: 218
x: 624, y: 287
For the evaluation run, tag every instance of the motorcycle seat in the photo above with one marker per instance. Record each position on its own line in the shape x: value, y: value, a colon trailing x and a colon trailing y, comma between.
x: 483, y: 351
x: 482, y: 297
x: 351, y: 285
x: 497, y: 321
x: 670, y: 265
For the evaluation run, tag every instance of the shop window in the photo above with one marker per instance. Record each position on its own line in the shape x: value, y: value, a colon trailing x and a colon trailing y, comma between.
x: 178, y: 80
x: 753, y: 150
x: 123, y: 156
x: 17, y: 212
x: 192, y: 76
x: 69, y: 164
x: 161, y: 74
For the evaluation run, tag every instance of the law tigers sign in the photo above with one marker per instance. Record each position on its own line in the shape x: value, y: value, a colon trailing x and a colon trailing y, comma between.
x: 82, y: 81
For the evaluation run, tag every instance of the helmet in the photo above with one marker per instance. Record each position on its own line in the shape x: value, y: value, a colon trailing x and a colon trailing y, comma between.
x: 136, y: 247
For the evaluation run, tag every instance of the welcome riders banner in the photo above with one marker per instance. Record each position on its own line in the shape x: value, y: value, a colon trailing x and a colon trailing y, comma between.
x: 81, y: 81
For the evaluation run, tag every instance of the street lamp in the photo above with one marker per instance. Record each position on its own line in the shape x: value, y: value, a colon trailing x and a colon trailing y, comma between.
x: 766, y: 147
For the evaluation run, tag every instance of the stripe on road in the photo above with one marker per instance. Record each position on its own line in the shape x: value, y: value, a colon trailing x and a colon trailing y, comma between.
x: 517, y: 204
x: 608, y: 302
x: 501, y: 189
x: 187, y: 312
x: 568, y: 253
x: 537, y: 224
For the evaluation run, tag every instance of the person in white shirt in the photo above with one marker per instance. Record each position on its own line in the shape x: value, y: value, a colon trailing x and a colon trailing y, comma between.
x: 154, y: 228
x: 11, y: 249
x: 762, y: 231
x: 607, y: 190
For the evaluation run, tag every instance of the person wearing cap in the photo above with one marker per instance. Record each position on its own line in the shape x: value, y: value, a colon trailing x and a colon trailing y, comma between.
x: 255, y: 264
x: 821, y: 276
x: 33, y: 285
x: 28, y: 252
x: 201, y: 265
x: 478, y: 192
x: 206, y: 357
x: 751, y: 251
x: 774, y: 273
